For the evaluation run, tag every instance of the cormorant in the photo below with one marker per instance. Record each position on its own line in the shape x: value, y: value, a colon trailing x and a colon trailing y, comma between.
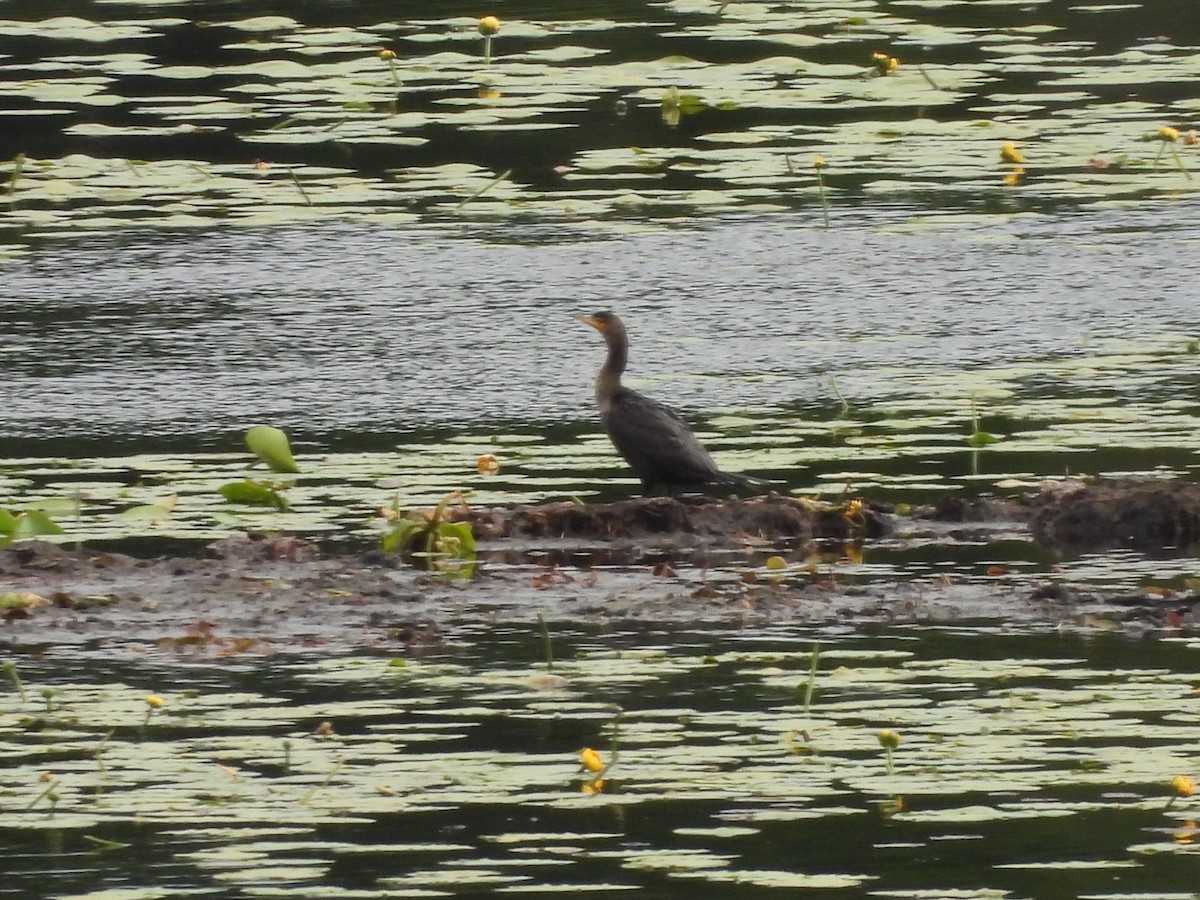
x: 659, y: 446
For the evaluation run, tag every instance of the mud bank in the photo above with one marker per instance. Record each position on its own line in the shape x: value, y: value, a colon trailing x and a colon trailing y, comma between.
x: 658, y: 560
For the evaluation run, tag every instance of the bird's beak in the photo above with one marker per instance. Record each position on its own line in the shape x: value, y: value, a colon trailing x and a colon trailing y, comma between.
x: 591, y: 320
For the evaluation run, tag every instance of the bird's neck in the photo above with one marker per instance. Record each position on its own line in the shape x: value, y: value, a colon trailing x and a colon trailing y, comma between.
x: 608, y: 382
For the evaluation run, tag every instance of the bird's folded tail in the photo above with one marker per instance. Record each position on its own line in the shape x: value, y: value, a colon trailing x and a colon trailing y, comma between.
x: 742, y: 482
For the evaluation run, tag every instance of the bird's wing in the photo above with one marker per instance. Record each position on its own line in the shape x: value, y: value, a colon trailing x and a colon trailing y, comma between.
x: 657, y: 444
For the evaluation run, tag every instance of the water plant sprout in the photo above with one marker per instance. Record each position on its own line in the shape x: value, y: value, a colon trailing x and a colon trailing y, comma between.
x: 811, y: 681
x: 10, y: 669
x: 50, y: 794
x: 271, y: 446
x: 819, y: 164
x: 889, y: 740
x: 488, y: 26
x: 18, y: 165
x: 1169, y: 137
x: 388, y: 55
x: 593, y: 763
x: 445, y: 546
x: 978, y: 437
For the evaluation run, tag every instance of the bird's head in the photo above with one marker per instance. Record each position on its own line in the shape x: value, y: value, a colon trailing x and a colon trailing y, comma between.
x: 603, y: 322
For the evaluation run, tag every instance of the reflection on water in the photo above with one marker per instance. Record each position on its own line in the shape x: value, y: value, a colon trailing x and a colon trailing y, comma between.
x: 1035, y: 765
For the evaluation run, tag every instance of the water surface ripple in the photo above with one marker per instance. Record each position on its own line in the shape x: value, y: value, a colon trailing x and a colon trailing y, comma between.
x: 339, y: 331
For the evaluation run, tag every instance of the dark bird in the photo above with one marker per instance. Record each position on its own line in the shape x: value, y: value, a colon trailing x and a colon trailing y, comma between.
x: 658, y: 445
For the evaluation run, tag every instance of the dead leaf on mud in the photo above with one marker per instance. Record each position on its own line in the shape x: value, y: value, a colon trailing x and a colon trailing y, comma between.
x: 549, y: 578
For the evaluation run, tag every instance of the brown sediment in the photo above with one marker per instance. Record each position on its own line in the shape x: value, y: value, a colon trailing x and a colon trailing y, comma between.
x: 664, y: 559
x: 1150, y: 515
x: 772, y: 516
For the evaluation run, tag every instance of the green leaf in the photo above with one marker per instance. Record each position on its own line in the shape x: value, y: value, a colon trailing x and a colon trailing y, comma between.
x: 35, y: 523
x: 403, y: 535
x: 8, y: 522
x: 148, y: 512
x: 982, y: 439
x: 271, y: 446
x: 460, y: 531
x: 253, y: 493
x: 57, y: 506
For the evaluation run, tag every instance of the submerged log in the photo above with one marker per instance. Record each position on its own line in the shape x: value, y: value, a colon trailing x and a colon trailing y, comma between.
x: 771, y: 516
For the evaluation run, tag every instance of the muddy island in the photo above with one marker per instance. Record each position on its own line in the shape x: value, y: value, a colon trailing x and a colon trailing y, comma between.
x: 656, y: 559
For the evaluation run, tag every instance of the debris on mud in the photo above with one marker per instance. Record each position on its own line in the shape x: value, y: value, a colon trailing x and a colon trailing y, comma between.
x: 718, y: 521
x: 1150, y: 515
x: 273, y: 594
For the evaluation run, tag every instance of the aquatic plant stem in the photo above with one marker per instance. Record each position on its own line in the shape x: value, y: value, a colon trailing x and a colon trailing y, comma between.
x: 98, y: 753
x: 300, y: 187
x: 819, y: 164
x: 614, y: 746
x: 10, y: 669
x: 546, y: 645
x: 1179, y: 163
x: 842, y: 400
x: 810, y: 684
x: 50, y: 793
x: 307, y: 798
x: 18, y: 167
x: 483, y: 190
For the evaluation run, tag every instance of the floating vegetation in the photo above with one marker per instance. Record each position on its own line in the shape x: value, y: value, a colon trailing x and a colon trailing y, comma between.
x: 430, y: 538
x: 356, y: 762
x: 311, y: 98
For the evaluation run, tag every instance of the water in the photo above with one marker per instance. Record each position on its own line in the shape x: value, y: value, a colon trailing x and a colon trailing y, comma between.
x: 402, y: 332
x: 1035, y: 765
x: 335, y: 332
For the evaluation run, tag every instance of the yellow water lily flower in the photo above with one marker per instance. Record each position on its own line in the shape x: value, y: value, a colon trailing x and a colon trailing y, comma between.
x: 889, y: 739
x: 1183, y: 785
x: 488, y: 464
x: 488, y: 26
x: 590, y: 760
x: 1167, y: 134
x: 1010, y: 153
x: 884, y: 64
x: 155, y: 702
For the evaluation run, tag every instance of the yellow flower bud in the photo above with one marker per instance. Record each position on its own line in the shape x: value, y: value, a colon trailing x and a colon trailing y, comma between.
x: 884, y: 64
x: 488, y: 464
x: 1183, y: 785
x: 488, y: 26
x: 1010, y: 153
x: 1167, y: 134
x: 590, y: 760
x: 155, y: 702
x: 819, y: 162
x: 387, y: 54
x: 889, y: 739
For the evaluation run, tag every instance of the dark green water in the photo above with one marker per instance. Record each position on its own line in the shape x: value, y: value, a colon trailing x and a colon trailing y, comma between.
x: 1030, y: 765
x: 218, y: 225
